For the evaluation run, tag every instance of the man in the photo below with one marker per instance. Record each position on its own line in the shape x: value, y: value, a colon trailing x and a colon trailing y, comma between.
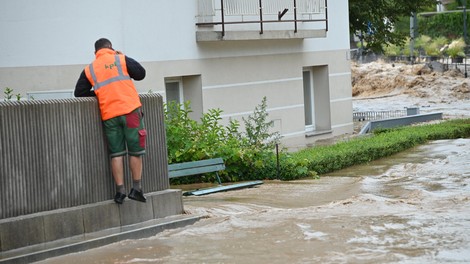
x: 109, y: 78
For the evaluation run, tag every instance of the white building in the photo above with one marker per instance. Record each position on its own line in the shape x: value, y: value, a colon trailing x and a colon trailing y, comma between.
x: 298, y: 60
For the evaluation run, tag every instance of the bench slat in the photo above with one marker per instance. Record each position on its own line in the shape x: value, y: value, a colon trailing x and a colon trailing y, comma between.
x: 192, y: 164
x: 195, y: 167
x: 193, y: 171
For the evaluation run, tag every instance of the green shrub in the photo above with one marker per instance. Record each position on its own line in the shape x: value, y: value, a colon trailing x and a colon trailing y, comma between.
x: 392, y: 50
x: 8, y: 94
x: 456, y: 48
x: 406, y: 48
x: 433, y: 48
x: 422, y: 41
x: 257, y: 128
x: 248, y: 155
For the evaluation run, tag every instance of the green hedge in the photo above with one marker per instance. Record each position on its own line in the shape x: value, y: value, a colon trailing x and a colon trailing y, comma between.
x: 245, y: 153
x: 449, y: 25
x: 383, y: 143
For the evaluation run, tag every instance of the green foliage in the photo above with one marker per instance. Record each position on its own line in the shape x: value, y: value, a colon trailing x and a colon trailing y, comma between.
x: 423, y: 44
x: 9, y: 94
x: 392, y: 50
x: 440, y: 41
x: 247, y: 155
x: 257, y: 128
x: 429, y: 46
x: 455, y: 5
x: 456, y: 48
x: 406, y: 48
x: 449, y: 25
x: 374, y: 20
x: 435, y: 46
x: 179, y: 132
x: 432, y: 50
x: 422, y: 41
x: 383, y: 143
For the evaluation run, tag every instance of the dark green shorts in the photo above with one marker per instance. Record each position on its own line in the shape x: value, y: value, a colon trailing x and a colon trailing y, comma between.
x: 126, y: 134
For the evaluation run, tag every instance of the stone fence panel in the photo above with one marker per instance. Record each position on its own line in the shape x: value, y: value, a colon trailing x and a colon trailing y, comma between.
x: 53, y: 154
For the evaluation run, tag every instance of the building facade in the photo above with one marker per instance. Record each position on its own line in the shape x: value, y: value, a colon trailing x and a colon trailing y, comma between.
x: 225, y: 54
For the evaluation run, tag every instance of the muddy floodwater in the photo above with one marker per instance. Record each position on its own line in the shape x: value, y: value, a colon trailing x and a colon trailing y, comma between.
x: 413, y: 207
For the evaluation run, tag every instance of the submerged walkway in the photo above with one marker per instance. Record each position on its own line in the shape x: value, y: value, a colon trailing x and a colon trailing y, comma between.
x: 97, y: 239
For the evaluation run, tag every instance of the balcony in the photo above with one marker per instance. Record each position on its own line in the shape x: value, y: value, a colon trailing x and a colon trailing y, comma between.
x: 222, y: 20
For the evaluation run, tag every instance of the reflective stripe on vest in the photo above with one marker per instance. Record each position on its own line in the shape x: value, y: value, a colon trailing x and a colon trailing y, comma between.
x: 120, y: 77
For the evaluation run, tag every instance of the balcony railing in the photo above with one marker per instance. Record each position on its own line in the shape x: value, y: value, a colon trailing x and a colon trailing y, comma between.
x: 223, y: 13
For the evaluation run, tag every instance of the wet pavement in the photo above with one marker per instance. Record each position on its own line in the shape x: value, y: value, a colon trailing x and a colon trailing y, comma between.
x: 413, y: 207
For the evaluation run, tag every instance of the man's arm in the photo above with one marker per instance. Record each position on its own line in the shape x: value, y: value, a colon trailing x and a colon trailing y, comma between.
x: 83, y: 87
x: 135, y: 70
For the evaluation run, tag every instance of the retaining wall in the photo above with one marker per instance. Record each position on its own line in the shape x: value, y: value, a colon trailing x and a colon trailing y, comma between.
x: 54, y: 165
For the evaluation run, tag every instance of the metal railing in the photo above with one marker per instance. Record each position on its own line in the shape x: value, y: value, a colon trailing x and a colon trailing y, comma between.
x: 257, y: 8
x: 377, y: 115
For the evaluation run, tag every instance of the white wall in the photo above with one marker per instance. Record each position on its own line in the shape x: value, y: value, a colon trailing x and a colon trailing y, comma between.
x: 62, y: 32
x: 338, y: 29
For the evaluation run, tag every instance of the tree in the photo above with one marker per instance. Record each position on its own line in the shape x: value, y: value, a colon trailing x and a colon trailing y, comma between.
x: 373, y: 20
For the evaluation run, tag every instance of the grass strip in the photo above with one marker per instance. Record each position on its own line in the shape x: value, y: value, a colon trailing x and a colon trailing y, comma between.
x: 360, y: 150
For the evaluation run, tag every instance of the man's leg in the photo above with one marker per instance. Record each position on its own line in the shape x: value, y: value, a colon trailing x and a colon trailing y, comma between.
x: 135, y: 137
x: 135, y: 164
x: 117, y: 149
x: 117, y: 168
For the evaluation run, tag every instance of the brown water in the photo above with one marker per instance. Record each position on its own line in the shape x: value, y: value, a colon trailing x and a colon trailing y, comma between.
x: 410, y: 208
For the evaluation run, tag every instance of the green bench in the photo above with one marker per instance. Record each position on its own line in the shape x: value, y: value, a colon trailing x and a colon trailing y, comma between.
x: 205, y: 166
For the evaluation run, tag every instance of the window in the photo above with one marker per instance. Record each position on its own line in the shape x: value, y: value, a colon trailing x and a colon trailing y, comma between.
x: 185, y: 89
x: 316, y: 99
x: 308, y: 100
x: 174, y: 90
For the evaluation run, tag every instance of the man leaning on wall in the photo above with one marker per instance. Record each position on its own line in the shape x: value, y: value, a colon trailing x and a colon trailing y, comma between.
x: 109, y: 78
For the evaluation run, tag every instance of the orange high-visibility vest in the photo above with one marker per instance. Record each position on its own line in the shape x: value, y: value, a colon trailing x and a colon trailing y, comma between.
x: 112, y: 84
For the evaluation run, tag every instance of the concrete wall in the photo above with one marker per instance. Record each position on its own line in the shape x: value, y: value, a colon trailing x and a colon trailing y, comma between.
x: 76, y: 222
x: 55, y: 175
x: 54, y: 155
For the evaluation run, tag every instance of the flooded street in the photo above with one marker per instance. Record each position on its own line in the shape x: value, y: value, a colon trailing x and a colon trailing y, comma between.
x: 413, y: 207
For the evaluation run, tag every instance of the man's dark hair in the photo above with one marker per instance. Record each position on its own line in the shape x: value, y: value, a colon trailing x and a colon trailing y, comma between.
x: 103, y: 43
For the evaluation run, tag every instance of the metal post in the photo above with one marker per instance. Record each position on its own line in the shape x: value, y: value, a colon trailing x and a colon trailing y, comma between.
x: 261, y: 16
x: 295, y: 16
x: 412, y: 35
x: 277, y: 161
x: 361, y: 49
x: 465, y: 34
x: 465, y: 21
x: 326, y: 14
x: 223, y: 20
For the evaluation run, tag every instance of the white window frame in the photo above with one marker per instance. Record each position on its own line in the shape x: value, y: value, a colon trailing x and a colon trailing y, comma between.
x: 178, y: 80
x: 311, y: 127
